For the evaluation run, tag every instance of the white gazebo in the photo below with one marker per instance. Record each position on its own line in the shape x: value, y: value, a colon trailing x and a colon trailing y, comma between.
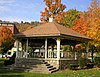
x: 48, y: 35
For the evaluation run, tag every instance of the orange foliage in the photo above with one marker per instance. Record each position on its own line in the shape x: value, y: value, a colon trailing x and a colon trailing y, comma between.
x: 89, y: 24
x: 93, y: 21
x: 80, y: 26
x: 80, y: 47
x: 6, y: 36
x: 94, y: 29
x: 54, y: 9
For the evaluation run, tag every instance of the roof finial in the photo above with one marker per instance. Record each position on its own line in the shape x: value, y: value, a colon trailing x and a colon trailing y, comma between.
x: 51, y: 19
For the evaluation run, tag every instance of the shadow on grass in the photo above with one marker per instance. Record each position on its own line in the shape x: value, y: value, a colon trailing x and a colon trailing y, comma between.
x: 11, y: 76
x: 9, y: 71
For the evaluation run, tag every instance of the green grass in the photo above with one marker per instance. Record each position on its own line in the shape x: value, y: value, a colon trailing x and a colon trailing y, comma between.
x: 67, y: 73
x: 95, y: 72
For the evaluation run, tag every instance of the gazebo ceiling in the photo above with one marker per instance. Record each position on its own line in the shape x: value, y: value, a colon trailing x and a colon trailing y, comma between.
x: 52, y: 29
x: 39, y: 42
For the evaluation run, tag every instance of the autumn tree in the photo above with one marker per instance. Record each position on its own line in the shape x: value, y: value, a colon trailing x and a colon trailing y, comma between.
x: 94, y: 5
x: 89, y: 23
x: 6, y: 39
x: 93, y: 21
x: 70, y: 17
x: 54, y: 9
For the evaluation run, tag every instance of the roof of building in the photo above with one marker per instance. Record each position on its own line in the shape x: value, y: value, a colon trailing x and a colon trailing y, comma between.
x: 11, y: 26
x: 51, y: 29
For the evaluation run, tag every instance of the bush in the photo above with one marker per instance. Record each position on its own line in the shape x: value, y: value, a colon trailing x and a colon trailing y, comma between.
x: 9, y: 62
x: 98, y: 65
x: 97, y: 61
x: 82, y: 62
x: 90, y: 65
x: 73, y: 66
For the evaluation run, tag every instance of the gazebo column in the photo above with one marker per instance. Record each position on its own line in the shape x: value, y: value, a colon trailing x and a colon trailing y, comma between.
x: 58, y: 50
x: 26, y: 49
x: 17, y: 48
x: 75, y: 52
x: 22, y: 49
x: 46, y: 48
x: 21, y: 53
x: 87, y: 49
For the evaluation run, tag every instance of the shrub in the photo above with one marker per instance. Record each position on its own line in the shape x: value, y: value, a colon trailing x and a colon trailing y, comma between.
x: 97, y: 61
x: 90, y: 65
x: 82, y: 62
x: 98, y: 65
x: 73, y: 66
x: 9, y: 62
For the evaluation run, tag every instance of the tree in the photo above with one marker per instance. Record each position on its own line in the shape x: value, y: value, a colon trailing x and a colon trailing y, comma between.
x: 89, y: 24
x: 54, y: 9
x: 6, y: 39
x: 70, y: 17
x: 93, y: 21
x: 94, y: 5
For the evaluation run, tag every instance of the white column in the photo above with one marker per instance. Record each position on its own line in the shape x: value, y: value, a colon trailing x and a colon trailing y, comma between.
x: 75, y: 55
x: 75, y: 52
x: 26, y: 49
x: 58, y: 50
x: 17, y: 48
x: 87, y: 49
x: 20, y: 50
x: 46, y: 48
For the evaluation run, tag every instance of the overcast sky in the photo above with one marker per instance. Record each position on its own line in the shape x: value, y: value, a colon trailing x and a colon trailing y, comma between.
x: 29, y: 10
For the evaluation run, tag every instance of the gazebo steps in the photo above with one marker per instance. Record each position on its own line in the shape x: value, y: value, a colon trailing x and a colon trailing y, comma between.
x: 32, y: 65
x: 49, y: 66
x: 52, y: 68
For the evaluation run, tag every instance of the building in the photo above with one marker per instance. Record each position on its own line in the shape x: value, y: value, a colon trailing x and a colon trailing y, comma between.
x: 46, y: 42
x: 11, y: 26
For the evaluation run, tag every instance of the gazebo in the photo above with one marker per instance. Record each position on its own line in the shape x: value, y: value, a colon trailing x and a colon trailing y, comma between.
x: 46, y: 41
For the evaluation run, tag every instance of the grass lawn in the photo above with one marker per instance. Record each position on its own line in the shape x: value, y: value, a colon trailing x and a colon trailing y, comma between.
x: 95, y: 72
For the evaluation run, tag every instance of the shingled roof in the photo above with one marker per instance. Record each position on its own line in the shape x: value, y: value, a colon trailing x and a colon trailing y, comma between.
x: 50, y: 29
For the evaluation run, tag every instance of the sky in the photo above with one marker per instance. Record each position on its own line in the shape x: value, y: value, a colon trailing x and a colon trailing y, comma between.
x: 29, y: 10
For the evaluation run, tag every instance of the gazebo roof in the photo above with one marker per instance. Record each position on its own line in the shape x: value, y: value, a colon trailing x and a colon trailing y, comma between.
x: 51, y: 29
